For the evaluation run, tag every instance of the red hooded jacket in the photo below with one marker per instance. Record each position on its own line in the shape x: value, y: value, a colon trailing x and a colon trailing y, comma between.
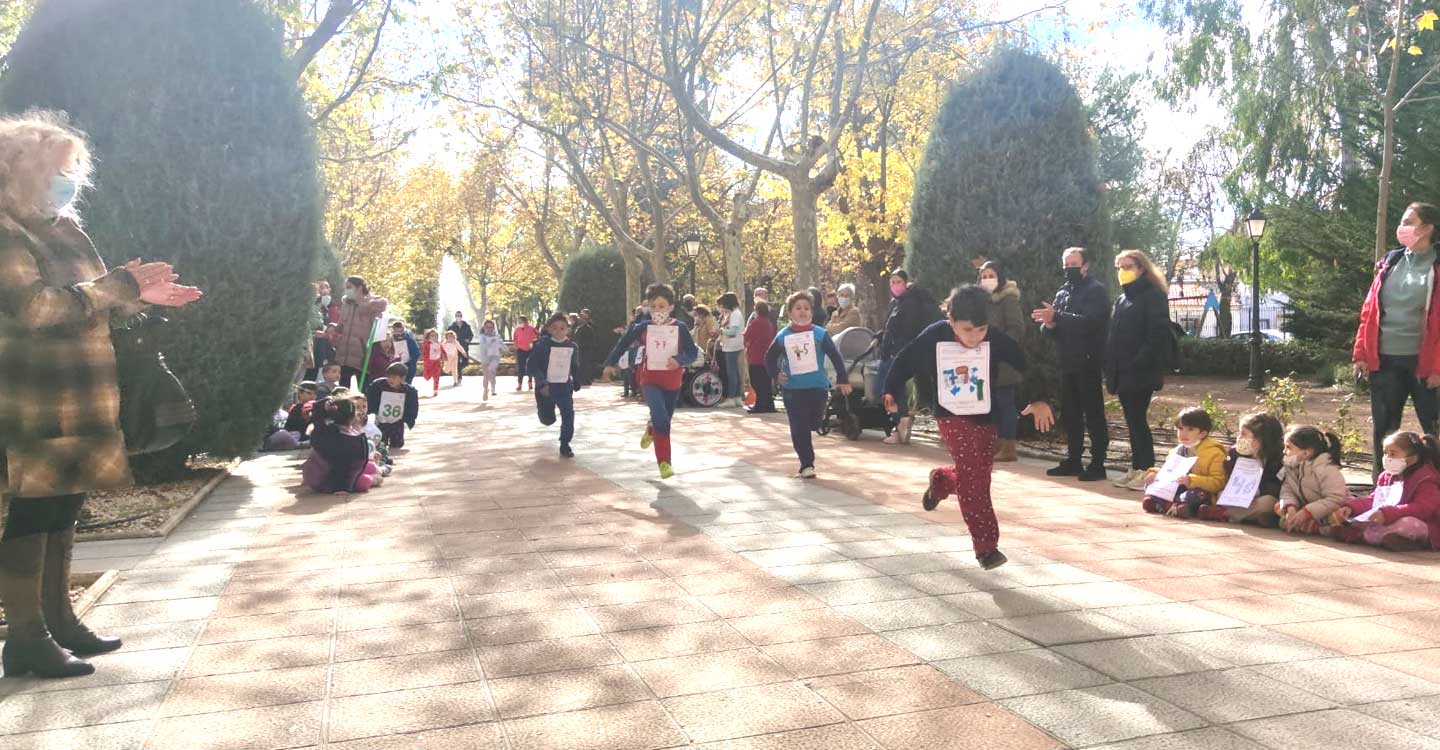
x: 1367, y: 337
x: 1420, y: 499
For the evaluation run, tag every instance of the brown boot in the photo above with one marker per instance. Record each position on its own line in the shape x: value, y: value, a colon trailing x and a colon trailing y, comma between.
x: 1006, y: 452
x: 65, y: 627
x: 28, y: 645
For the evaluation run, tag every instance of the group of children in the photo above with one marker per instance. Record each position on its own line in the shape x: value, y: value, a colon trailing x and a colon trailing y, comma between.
x: 1292, y: 479
x: 444, y: 357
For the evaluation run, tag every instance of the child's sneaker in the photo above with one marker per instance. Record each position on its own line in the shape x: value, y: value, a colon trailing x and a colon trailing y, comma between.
x: 666, y: 471
x: 807, y: 473
x: 993, y: 560
x: 565, y: 452
x: 933, y: 494
x: 647, y: 438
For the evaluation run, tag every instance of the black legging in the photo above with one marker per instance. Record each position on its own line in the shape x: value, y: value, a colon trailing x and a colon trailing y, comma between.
x: 1136, y: 405
x: 42, y: 515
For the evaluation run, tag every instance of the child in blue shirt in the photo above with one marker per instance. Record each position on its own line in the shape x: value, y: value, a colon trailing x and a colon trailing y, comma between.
x: 556, y: 390
x: 795, y: 360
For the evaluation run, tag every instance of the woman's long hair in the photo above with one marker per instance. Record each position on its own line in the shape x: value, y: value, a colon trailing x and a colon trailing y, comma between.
x: 1147, y: 268
x: 34, y: 148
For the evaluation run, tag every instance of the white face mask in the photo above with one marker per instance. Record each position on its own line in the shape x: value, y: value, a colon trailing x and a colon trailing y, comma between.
x: 990, y: 285
x: 1293, y: 461
x: 844, y: 302
x: 1187, y: 443
x: 1395, y: 465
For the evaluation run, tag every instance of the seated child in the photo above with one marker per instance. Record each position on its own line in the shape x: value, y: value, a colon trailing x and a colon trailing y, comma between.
x: 295, y: 432
x: 329, y: 380
x: 1409, y: 522
x: 1262, y: 438
x: 1313, y: 488
x: 1206, y: 478
x: 394, y: 403
x: 340, y: 462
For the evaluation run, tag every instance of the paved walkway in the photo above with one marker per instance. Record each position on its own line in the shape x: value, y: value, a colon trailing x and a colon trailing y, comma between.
x: 492, y: 595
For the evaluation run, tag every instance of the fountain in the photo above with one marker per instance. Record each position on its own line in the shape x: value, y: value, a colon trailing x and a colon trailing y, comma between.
x: 453, y: 293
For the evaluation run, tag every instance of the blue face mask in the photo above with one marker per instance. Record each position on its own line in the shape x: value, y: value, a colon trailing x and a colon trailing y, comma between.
x: 63, y: 189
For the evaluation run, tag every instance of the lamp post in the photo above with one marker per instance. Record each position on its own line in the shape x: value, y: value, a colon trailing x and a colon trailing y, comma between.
x: 692, y: 251
x: 1255, y: 227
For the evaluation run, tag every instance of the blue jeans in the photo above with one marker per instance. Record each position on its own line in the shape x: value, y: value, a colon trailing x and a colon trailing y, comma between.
x: 730, y: 373
x: 903, y: 402
x: 559, y: 396
x: 1003, y: 410
x: 662, y: 407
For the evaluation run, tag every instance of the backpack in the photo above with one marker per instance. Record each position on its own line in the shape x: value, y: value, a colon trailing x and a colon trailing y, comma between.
x: 155, y: 410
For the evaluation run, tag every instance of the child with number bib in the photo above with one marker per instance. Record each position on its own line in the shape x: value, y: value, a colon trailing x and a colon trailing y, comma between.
x: 432, y: 354
x: 451, y: 349
x: 555, y: 365
x: 1252, y: 474
x: 394, y: 403
x: 666, y: 349
x: 1193, y: 474
x: 1314, y: 488
x: 794, y: 360
x: 491, y: 347
x: 1403, y: 513
x: 951, y: 361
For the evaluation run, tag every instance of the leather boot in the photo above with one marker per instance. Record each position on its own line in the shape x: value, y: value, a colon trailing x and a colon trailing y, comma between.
x: 65, y: 627
x: 28, y: 646
x: 1007, y: 452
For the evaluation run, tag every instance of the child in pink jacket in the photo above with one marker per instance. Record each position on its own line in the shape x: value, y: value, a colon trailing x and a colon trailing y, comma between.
x: 1412, y: 521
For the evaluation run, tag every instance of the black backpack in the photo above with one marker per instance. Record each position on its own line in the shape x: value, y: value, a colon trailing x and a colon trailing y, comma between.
x: 155, y: 410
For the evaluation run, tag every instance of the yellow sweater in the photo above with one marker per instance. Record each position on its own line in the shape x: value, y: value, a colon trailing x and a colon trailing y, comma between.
x: 1209, y: 471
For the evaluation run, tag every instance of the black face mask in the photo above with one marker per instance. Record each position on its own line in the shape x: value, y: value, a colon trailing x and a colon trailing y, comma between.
x: 1074, y: 276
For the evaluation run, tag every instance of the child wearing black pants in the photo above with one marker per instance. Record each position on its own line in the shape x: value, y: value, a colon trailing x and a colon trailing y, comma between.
x: 794, y: 359
x: 555, y: 365
x: 395, y: 404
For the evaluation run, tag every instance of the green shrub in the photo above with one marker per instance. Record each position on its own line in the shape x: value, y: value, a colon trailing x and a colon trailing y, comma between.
x: 205, y: 158
x: 1231, y: 357
x: 1010, y: 173
x: 594, y: 278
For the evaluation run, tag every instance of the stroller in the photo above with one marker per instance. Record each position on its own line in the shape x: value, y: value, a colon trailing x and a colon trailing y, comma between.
x: 862, y: 409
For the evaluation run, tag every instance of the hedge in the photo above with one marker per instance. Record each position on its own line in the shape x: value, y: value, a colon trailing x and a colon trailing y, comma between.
x: 594, y: 278
x: 1231, y: 357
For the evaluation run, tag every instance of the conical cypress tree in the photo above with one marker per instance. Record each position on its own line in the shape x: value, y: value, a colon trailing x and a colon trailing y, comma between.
x: 594, y: 278
x: 205, y: 158
x: 1009, y: 173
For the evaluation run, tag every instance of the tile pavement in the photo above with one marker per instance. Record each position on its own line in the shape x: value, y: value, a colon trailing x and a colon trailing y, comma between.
x: 494, y: 596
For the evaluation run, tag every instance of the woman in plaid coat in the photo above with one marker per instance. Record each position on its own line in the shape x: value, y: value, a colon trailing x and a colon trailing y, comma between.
x: 59, y: 396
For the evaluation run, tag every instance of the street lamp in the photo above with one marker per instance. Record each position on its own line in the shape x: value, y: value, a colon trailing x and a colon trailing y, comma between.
x: 692, y: 251
x: 1255, y: 227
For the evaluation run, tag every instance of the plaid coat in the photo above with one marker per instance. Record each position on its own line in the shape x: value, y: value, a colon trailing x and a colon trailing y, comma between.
x: 59, y: 395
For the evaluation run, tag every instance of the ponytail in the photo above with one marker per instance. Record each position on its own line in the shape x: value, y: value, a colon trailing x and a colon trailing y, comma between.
x: 1336, y: 451
x: 1310, y: 438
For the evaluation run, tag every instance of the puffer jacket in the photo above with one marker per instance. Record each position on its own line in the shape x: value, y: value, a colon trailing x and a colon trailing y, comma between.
x: 1419, y: 498
x: 909, y: 314
x: 357, y: 322
x: 1007, y: 315
x: 1208, y: 474
x: 1316, y: 486
x: 1137, y: 348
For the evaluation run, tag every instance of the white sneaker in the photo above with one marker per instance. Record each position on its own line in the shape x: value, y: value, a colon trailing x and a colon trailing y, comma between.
x: 1124, y: 482
x: 807, y: 473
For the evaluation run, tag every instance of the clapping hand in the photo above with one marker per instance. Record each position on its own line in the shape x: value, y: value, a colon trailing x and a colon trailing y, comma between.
x: 157, y: 284
x: 1045, y: 315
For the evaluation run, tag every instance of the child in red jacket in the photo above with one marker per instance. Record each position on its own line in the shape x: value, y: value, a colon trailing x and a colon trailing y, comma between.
x: 1405, y: 506
x: 668, y: 349
x: 432, y: 357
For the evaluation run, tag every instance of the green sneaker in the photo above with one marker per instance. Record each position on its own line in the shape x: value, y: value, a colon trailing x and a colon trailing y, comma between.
x: 666, y: 471
x: 647, y: 438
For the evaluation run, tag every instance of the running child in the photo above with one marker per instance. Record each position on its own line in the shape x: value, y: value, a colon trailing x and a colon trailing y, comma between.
x: 952, y: 360
x: 796, y: 360
x: 451, y: 349
x: 667, y: 350
x: 432, y: 357
x: 555, y: 364
x: 525, y: 336
x: 491, y: 348
x: 394, y: 403
x: 1404, y: 510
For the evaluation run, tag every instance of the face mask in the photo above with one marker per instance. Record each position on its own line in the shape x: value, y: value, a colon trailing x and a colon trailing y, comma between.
x: 897, y: 289
x: 844, y: 302
x: 990, y: 285
x: 1128, y: 276
x: 1245, y: 447
x: 63, y: 189
x: 1074, y: 276
x: 350, y: 292
x: 1407, y: 235
x: 659, y: 318
x: 1292, y: 461
x: 1395, y: 465
x: 1187, y: 443
x: 324, y: 300
x: 399, y: 337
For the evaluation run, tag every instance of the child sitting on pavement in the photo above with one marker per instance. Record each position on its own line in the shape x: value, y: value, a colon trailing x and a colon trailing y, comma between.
x: 394, y: 403
x: 295, y: 432
x: 1262, y: 440
x: 340, y: 462
x: 1405, y: 503
x: 1314, y: 487
x: 1201, y: 483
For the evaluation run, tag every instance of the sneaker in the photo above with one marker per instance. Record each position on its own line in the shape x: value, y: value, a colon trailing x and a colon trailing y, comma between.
x: 1093, y: 473
x: 1065, y: 469
x: 647, y: 438
x: 1137, y: 484
x: 807, y: 473
x: 565, y: 452
x: 993, y: 560
x: 1125, y: 481
x: 666, y: 470
x: 930, y: 500
x: 1398, y: 543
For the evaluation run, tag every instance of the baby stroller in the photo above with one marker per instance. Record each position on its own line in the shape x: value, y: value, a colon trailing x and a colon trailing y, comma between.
x: 862, y: 409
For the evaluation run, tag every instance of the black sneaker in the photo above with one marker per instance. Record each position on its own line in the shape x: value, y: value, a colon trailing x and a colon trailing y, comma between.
x: 1094, y: 473
x: 993, y: 560
x: 1066, y: 469
x: 929, y: 501
x: 565, y: 452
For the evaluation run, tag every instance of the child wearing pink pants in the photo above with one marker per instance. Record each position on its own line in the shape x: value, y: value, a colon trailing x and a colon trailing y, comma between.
x: 1407, y: 495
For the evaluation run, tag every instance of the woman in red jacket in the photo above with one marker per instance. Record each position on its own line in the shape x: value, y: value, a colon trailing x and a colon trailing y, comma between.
x: 1398, y: 343
x: 759, y: 334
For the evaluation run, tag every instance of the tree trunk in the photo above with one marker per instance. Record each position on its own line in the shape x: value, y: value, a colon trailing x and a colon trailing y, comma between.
x: 1223, y: 323
x: 803, y: 216
x: 1382, y: 203
x: 632, y: 282
x: 734, y: 258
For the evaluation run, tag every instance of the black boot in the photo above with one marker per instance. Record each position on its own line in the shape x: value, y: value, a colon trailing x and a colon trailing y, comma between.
x: 28, y: 646
x: 65, y: 627
x: 1067, y: 468
x: 1095, y: 472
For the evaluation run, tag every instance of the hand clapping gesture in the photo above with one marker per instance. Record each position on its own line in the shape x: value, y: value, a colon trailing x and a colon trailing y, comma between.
x: 157, y: 284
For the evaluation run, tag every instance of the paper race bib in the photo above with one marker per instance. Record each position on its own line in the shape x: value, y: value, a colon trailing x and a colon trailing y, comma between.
x: 559, y: 369
x: 392, y: 407
x: 801, y: 354
x: 661, y: 343
x: 1244, y: 484
x: 962, y: 378
x: 1167, y: 480
x: 1384, y: 496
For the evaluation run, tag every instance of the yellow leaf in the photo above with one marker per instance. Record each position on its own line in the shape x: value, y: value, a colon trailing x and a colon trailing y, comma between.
x: 1414, y: 50
x: 1354, y: 9
x: 1426, y: 21
x: 1389, y: 44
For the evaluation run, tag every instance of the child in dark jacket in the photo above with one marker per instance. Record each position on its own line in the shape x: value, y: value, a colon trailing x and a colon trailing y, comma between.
x: 951, y: 361
x: 667, y: 349
x: 340, y: 462
x: 1405, y: 506
x: 554, y: 364
x: 295, y: 433
x: 1261, y: 446
x: 395, y: 404
x: 795, y: 359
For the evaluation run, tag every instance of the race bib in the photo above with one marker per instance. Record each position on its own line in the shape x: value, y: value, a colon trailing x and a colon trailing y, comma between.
x: 392, y: 407
x: 661, y: 343
x: 1167, y: 481
x: 1384, y: 497
x: 801, y: 354
x: 962, y: 378
x: 1244, y: 484
x: 559, y: 369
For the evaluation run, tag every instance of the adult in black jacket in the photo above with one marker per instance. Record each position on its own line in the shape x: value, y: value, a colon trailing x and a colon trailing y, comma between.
x: 911, y: 310
x: 1077, y: 321
x: 588, y: 339
x: 1137, y: 353
x: 465, y: 334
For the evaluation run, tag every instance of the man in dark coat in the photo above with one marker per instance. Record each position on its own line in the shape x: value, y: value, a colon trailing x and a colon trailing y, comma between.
x: 465, y: 335
x: 912, y: 309
x: 1078, y: 321
x: 585, y: 337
